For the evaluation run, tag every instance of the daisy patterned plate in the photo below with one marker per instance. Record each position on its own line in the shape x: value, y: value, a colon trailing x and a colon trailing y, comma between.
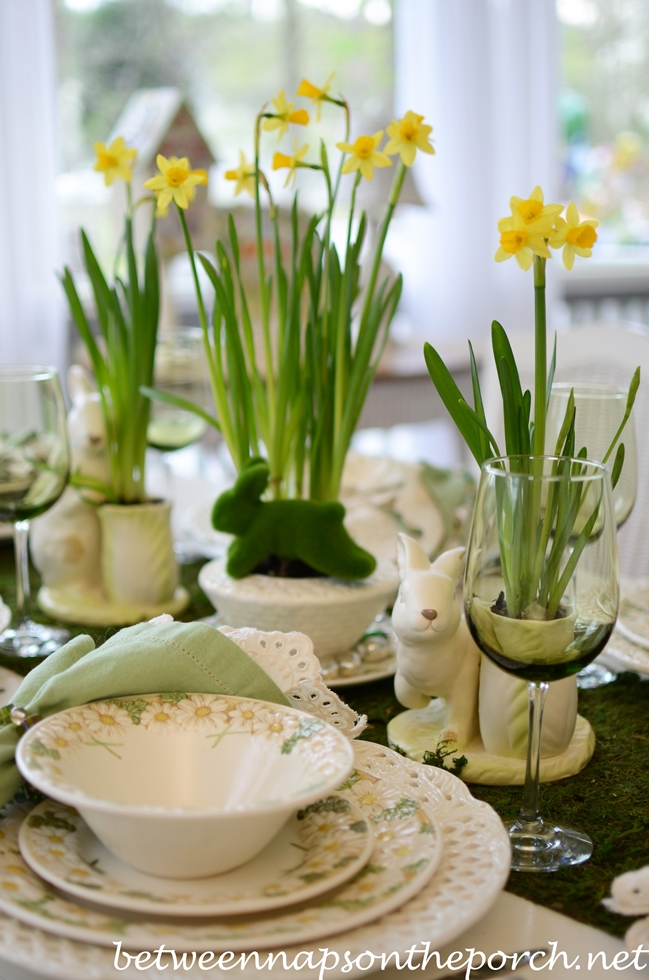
x: 407, y: 850
x: 319, y: 848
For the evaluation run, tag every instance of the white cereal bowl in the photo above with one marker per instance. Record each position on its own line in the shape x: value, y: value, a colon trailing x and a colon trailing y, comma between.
x: 333, y: 614
x: 184, y: 785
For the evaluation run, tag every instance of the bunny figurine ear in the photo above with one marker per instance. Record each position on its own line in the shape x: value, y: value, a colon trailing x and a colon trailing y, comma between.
x: 410, y: 555
x: 450, y: 563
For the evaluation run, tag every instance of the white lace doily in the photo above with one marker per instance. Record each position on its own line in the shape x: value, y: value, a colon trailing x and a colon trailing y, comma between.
x: 473, y: 871
x: 289, y: 660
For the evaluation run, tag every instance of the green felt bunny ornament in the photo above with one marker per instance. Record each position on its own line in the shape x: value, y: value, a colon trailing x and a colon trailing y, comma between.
x: 304, y: 530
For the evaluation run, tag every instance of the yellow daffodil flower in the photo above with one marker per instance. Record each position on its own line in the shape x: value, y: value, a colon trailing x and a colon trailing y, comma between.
x: 281, y: 160
x: 115, y: 160
x: 574, y: 236
x: 407, y: 135
x: 537, y: 216
x: 521, y: 241
x: 364, y: 155
x: 176, y: 182
x: 317, y: 95
x: 244, y: 176
x: 285, y: 113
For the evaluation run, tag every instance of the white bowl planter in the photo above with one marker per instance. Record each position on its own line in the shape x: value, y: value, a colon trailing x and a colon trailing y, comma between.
x: 333, y: 613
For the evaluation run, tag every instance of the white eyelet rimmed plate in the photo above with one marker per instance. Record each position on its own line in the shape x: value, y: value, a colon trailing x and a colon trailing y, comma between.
x: 472, y: 873
x: 320, y: 848
x: 407, y: 849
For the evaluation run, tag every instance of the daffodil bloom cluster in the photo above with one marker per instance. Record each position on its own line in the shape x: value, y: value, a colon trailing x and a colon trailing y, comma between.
x: 534, y: 225
x: 303, y: 342
x: 175, y: 182
x: 115, y: 161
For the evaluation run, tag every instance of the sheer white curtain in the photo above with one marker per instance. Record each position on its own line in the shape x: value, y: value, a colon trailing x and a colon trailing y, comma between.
x: 484, y: 74
x: 32, y: 314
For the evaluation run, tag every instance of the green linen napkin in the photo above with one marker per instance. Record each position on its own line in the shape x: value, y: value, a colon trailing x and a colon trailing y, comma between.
x: 144, y: 659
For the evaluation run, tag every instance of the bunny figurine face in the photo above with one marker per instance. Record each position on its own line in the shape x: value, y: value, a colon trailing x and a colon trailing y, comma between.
x: 426, y: 600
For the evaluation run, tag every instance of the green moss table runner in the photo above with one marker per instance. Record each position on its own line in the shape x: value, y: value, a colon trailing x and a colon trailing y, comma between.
x: 609, y: 799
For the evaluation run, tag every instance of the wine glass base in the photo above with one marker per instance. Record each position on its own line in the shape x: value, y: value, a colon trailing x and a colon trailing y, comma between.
x: 547, y: 847
x: 594, y: 675
x: 32, y: 640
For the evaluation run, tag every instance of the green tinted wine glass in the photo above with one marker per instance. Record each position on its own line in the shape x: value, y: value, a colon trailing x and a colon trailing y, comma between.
x: 34, y: 464
x: 541, y: 599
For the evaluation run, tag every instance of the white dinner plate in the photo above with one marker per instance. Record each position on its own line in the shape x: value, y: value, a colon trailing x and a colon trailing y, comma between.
x: 472, y: 873
x: 319, y: 848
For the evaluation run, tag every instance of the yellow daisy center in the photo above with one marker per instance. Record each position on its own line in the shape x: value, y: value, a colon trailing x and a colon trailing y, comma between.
x: 513, y: 241
x: 107, y: 719
x: 202, y: 711
x: 584, y: 236
x: 408, y: 131
x: 176, y: 176
x: 324, y: 828
x: 275, y: 727
x: 61, y: 742
x: 75, y: 726
x: 247, y: 714
x: 161, y: 716
x: 529, y: 210
x: 106, y: 161
x: 364, y: 147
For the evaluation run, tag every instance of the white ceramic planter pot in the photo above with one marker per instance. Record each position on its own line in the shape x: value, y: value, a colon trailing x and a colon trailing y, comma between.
x: 137, y: 556
x: 334, y: 614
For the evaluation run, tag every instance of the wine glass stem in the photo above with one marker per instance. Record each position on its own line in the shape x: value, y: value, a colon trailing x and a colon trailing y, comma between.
x: 529, y: 814
x: 21, y: 538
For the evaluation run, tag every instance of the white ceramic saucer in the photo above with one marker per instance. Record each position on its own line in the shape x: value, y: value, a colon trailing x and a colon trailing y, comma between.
x: 407, y: 850
x: 320, y: 848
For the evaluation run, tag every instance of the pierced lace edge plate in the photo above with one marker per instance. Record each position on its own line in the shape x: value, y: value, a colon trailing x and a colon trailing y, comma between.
x: 473, y: 871
x: 407, y: 849
x: 320, y: 862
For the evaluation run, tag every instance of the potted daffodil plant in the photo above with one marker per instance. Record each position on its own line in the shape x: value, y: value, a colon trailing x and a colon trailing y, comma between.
x: 135, y: 573
x: 541, y: 578
x: 289, y: 388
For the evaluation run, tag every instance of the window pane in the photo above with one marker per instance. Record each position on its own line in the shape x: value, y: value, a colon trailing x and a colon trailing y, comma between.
x: 605, y: 114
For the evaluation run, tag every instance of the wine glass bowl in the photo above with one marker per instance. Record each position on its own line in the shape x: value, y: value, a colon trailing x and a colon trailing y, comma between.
x: 599, y: 413
x: 34, y: 465
x: 180, y: 371
x: 541, y: 599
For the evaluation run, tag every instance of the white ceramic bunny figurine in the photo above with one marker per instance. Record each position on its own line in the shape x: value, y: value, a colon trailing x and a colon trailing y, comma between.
x: 66, y: 542
x: 437, y: 657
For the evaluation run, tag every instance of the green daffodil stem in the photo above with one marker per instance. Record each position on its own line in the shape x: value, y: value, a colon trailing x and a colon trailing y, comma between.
x: 263, y: 290
x: 395, y: 190
x: 192, y: 261
x: 540, y: 357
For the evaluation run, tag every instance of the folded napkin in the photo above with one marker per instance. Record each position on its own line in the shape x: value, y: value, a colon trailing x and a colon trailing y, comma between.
x: 144, y: 659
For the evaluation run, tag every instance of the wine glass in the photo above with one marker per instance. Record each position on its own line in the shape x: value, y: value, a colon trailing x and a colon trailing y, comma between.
x: 599, y: 412
x: 34, y: 464
x: 179, y: 370
x: 541, y: 599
